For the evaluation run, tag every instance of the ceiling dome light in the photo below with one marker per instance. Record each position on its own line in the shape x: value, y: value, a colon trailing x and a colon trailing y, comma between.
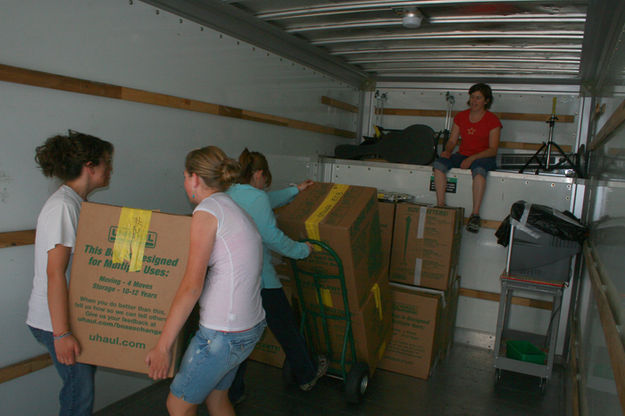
x: 411, y: 18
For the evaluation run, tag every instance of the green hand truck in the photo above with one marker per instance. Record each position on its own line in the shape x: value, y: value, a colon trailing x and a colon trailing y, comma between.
x: 315, y: 319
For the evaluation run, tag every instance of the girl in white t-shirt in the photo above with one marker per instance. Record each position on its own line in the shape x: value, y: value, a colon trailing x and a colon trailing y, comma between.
x: 225, y: 241
x: 83, y: 163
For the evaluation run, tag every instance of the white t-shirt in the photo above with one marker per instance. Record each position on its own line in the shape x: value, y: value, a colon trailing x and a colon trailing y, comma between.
x: 57, y: 224
x: 231, y: 298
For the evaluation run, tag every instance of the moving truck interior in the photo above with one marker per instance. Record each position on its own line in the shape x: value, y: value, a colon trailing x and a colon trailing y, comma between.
x: 294, y: 80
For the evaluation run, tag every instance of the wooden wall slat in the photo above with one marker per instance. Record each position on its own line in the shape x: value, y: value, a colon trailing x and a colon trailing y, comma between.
x: 516, y: 300
x: 339, y: 104
x: 503, y: 116
x: 486, y: 223
x: 17, y: 238
x: 613, y: 340
x: 530, y: 146
x: 24, y: 367
x: 523, y: 145
x: 59, y: 82
x: 615, y: 120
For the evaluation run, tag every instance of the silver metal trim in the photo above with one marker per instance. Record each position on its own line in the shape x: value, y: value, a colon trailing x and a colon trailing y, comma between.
x: 535, y: 34
x: 241, y: 25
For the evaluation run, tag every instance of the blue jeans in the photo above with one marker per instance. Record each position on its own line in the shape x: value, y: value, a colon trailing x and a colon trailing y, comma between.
x: 211, y: 361
x: 478, y: 167
x: 76, y: 397
x: 281, y: 321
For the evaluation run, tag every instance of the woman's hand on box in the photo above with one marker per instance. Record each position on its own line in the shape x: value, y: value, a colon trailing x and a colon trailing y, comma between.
x: 67, y: 349
x: 304, y: 185
x: 159, y: 362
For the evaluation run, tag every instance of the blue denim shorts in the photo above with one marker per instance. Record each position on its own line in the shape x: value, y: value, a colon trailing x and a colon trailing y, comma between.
x: 478, y: 167
x: 211, y: 361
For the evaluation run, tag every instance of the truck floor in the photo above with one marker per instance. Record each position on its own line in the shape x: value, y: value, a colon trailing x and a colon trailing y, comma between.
x: 463, y: 384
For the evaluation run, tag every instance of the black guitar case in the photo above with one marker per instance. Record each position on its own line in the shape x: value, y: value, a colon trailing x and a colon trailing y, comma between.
x: 414, y: 145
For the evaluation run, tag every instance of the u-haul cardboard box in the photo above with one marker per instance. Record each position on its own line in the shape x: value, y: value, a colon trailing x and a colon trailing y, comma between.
x: 371, y: 329
x: 268, y: 350
x: 448, y: 319
x: 126, y: 268
x: 422, y: 325
x: 347, y: 219
x: 387, y: 220
x: 426, y: 244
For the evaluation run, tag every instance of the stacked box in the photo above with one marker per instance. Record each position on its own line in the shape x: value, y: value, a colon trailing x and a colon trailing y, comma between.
x: 347, y: 219
x: 421, y: 327
x: 126, y: 268
x: 387, y: 220
x: 371, y: 328
x: 426, y: 245
x: 448, y: 321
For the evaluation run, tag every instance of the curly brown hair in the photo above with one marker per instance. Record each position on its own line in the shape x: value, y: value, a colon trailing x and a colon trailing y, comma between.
x: 64, y: 156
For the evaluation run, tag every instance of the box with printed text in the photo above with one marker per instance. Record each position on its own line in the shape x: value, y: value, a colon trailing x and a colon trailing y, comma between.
x: 346, y: 218
x: 426, y: 245
x: 126, y: 268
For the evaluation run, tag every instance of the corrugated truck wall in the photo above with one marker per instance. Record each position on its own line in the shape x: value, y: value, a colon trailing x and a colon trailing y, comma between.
x: 156, y: 86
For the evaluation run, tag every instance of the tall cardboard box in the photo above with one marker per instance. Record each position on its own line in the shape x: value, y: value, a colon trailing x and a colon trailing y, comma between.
x: 347, y: 219
x: 419, y: 330
x: 426, y: 243
x: 371, y: 329
x: 387, y: 220
x: 118, y: 314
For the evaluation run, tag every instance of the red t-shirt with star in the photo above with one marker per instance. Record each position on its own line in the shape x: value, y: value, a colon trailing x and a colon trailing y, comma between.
x: 475, y: 135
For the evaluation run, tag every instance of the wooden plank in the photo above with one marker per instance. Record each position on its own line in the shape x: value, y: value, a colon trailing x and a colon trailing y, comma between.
x: 57, y: 82
x: 24, y: 367
x: 503, y: 116
x: 494, y: 224
x: 17, y: 238
x: 616, y: 151
x: 81, y: 86
x: 339, y: 104
x: 516, y: 300
x: 523, y: 145
x: 616, y: 349
x: 531, y: 146
x: 616, y: 119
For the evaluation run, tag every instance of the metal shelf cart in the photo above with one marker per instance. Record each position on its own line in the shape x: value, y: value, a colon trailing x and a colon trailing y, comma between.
x: 548, y: 342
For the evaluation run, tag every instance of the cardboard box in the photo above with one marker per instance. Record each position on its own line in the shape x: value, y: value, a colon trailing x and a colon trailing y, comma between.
x: 117, y: 314
x: 268, y: 350
x: 426, y: 244
x: 347, y: 219
x: 423, y: 325
x: 371, y: 329
x: 387, y: 220
x: 448, y: 320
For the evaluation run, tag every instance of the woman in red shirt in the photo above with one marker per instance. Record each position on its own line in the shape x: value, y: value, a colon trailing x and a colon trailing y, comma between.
x: 480, y: 131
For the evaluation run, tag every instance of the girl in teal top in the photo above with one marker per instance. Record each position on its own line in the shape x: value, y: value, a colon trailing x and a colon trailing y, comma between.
x: 250, y: 195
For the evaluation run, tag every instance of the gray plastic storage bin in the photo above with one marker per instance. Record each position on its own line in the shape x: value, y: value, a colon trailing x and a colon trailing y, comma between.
x: 546, y: 258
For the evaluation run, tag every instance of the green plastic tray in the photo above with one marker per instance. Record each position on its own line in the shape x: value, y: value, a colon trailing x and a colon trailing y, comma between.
x: 525, y: 351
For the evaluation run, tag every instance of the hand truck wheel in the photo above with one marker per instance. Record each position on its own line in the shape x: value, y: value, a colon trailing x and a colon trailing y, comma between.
x: 356, y: 383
